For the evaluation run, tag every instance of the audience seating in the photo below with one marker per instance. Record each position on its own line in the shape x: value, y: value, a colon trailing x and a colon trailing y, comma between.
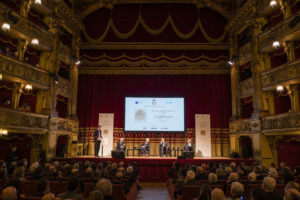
x: 189, y: 192
x: 279, y: 190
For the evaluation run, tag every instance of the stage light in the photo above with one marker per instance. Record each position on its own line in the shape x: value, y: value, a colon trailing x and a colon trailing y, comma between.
x: 276, y: 44
x: 35, y: 41
x: 279, y: 88
x: 5, y: 26
x: 273, y: 3
x: 38, y: 1
x: 28, y: 87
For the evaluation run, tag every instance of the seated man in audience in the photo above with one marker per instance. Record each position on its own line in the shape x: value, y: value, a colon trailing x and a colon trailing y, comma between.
x: 268, y: 185
x: 292, y: 194
x: 9, y: 193
x: 237, y: 190
x: 212, y: 179
x: 145, y: 148
x: 42, y: 188
x: 217, y: 194
x: 121, y: 146
x: 252, y: 178
x: 164, y: 148
x: 233, y: 177
x: 73, y: 184
x: 188, y: 146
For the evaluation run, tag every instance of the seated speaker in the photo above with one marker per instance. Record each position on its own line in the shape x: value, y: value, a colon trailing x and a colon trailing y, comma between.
x: 118, y: 154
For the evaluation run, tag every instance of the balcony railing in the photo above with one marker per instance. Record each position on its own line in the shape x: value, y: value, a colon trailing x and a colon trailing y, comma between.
x: 245, y: 126
x: 246, y: 88
x: 286, y: 122
x: 64, y: 87
x: 286, y: 74
x: 20, y: 71
x: 63, y: 125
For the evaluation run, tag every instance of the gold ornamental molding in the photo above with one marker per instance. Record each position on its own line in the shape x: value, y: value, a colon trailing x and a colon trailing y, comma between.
x: 88, y: 6
x: 154, y: 46
x: 245, y: 54
x: 281, y: 32
x: 22, y: 72
x: 63, y: 87
x: 63, y: 126
x: 245, y: 126
x: 246, y: 88
x: 27, y: 30
x: 64, y: 53
x: 283, y: 75
x: 286, y: 124
x: 18, y: 121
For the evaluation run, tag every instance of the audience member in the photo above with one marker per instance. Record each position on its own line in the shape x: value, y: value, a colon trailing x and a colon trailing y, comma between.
x: 237, y: 190
x: 268, y: 185
x: 257, y: 193
x: 9, y: 193
x: 48, y: 196
x: 217, y: 194
x: 96, y: 195
x: 105, y: 187
x: 73, y: 184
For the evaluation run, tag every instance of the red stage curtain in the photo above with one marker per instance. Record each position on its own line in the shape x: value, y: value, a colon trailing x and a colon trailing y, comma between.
x: 247, y: 107
x: 278, y: 58
x: 203, y: 94
x: 62, y: 106
x: 288, y: 151
x: 30, y: 99
x: 282, y: 102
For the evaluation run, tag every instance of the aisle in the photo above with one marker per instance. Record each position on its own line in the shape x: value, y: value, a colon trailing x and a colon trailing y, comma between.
x: 153, y: 192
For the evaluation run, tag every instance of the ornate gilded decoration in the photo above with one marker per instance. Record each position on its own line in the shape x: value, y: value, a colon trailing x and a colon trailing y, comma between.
x: 286, y: 74
x: 63, y: 87
x: 24, y: 72
x: 64, y: 125
x: 281, y: 123
x: 246, y: 88
x: 64, y: 53
x: 245, y: 54
x: 245, y: 126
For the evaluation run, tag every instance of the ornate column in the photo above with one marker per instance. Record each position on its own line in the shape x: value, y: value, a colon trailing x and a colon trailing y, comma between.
x: 16, y: 94
x: 21, y: 48
x: 269, y: 102
x: 285, y: 8
x: 294, y: 97
x: 25, y: 7
x: 289, y: 50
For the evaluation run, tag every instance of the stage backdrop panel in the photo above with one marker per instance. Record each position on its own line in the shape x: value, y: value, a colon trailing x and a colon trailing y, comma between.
x: 203, y: 135
x: 203, y: 93
x: 106, y: 120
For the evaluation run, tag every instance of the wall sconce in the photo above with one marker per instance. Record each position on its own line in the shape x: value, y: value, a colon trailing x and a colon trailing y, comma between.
x: 3, y: 131
x: 279, y: 88
x: 276, y: 44
x: 5, y: 26
x: 38, y: 2
x: 28, y: 87
x: 35, y: 41
x: 273, y: 3
x: 1, y: 77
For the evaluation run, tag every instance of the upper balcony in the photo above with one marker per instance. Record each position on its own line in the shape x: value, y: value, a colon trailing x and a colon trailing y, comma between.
x: 64, y: 87
x: 21, y: 27
x: 246, y: 88
x: 64, y: 52
x: 283, y: 75
x: 245, y: 126
x: 285, y: 30
x: 18, y: 71
x: 245, y: 53
x: 64, y: 126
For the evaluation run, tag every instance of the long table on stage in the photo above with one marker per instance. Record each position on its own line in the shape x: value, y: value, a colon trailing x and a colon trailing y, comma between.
x: 155, y: 169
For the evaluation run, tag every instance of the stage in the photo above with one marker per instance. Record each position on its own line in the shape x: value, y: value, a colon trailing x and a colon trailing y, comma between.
x: 155, y: 169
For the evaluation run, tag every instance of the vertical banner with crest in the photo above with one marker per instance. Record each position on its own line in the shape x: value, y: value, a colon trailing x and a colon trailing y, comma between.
x: 202, y: 135
x: 106, y: 120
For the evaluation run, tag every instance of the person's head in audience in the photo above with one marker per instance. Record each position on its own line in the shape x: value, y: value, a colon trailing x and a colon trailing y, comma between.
x: 237, y: 189
x: 73, y: 184
x: 129, y: 170
x: 232, y: 177
x: 121, y: 164
x: 190, y: 175
x: 9, y: 193
x: 292, y: 185
x: 251, y: 177
x: 114, y: 166
x: 96, y: 195
x: 121, y: 169
x: 204, y: 192
x: 240, y: 173
x: 19, y: 173
x: 217, y: 194
x: 273, y: 173
x: 48, y: 196
x: 219, y: 172
x: 233, y: 166
x: 43, y: 186
x: 292, y: 194
x: 204, y: 166
x: 212, y: 178
x: 74, y: 172
x: 200, y: 170
x: 268, y: 184
x: 119, y: 177
x: 227, y: 171
x: 33, y: 166
x: 257, y: 193
x: 104, y: 185
x: 262, y: 167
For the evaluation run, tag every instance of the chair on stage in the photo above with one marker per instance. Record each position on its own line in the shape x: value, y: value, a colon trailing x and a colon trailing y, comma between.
x: 133, y: 150
x: 144, y: 151
x: 164, y: 150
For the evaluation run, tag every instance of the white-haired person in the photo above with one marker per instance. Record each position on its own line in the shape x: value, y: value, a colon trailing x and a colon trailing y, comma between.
x: 237, y: 191
x: 268, y: 185
x: 212, y: 179
x: 217, y: 194
x: 145, y: 148
x: 252, y: 178
x: 105, y: 187
x: 233, y: 177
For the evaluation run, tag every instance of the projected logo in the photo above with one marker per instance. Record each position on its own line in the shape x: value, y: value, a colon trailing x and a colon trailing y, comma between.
x: 140, y: 115
x: 154, y: 102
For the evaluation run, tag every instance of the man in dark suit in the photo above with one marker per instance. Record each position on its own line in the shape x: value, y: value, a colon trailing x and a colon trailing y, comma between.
x: 188, y: 146
x: 145, y: 148
x: 121, y: 146
x: 163, y: 147
x: 97, y: 140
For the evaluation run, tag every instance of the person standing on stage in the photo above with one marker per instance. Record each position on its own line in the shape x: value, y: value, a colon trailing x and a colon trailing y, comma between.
x: 121, y: 146
x: 163, y: 147
x: 188, y: 146
x: 145, y: 148
x: 97, y: 140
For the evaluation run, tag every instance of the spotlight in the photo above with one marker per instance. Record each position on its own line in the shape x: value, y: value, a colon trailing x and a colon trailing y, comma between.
x: 28, y: 87
x: 35, y: 41
x: 276, y: 44
x: 273, y: 3
x: 38, y: 1
x: 77, y: 62
x: 5, y: 27
x: 279, y: 88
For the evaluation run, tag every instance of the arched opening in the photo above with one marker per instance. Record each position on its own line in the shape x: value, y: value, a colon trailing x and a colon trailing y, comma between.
x: 62, y: 145
x: 246, y: 147
x: 288, y: 152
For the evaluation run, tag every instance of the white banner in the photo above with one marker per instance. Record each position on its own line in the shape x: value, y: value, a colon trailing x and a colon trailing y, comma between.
x: 106, y: 120
x: 203, y: 135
